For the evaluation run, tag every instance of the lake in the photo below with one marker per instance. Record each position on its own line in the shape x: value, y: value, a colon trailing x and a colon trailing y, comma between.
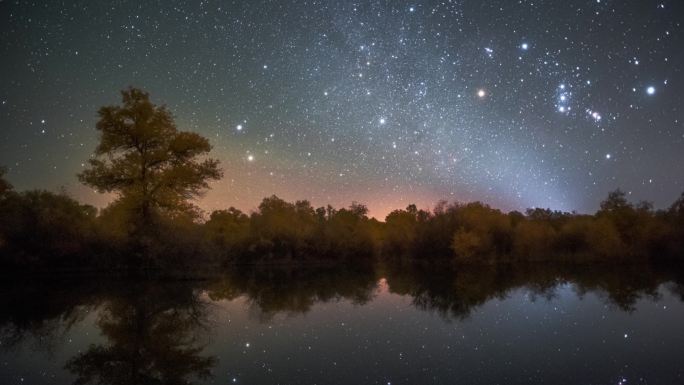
x: 388, y: 324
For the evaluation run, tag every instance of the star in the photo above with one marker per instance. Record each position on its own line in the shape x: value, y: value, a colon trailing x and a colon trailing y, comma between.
x: 384, y: 95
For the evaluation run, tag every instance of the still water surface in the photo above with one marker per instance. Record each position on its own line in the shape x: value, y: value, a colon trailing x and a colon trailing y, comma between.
x: 375, y: 325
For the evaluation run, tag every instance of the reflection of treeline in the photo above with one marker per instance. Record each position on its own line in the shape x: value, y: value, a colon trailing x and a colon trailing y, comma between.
x: 155, y: 331
x: 43, y: 307
x: 294, y: 289
x: 40, y: 229
x: 454, y: 292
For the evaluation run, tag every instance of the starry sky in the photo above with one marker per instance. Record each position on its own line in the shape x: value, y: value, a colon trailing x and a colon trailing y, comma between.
x: 515, y: 103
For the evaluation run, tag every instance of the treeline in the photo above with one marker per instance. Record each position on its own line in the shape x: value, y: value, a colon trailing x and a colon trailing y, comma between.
x: 41, y: 229
x: 620, y: 230
x: 155, y: 171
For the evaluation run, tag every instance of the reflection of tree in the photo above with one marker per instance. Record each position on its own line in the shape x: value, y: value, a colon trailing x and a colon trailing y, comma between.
x: 151, y: 339
x: 42, y: 310
x: 456, y: 292
x: 154, y: 329
x: 294, y: 289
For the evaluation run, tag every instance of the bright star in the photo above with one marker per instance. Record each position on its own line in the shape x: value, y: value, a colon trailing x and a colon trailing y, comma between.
x: 524, y: 46
x: 481, y: 93
x: 650, y: 90
x: 238, y: 127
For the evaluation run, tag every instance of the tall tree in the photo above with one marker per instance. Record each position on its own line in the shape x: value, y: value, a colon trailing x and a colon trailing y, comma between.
x: 142, y: 156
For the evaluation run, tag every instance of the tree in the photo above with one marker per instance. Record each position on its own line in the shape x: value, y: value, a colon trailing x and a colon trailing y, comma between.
x: 152, y: 166
x: 41, y: 227
x: 5, y: 186
x: 227, y: 231
x: 400, y: 231
x: 677, y: 208
x: 615, y: 202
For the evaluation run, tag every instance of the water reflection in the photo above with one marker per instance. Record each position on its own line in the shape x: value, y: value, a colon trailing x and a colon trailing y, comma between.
x: 152, y: 336
x: 455, y: 292
x: 157, y: 332
x: 292, y: 290
x: 153, y: 331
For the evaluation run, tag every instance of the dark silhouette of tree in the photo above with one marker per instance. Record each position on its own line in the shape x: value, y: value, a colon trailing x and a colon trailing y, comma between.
x: 227, y: 231
x: 43, y: 228
x: 615, y: 202
x: 5, y: 186
x: 152, y: 166
x: 350, y: 234
x: 677, y: 208
x: 400, y: 231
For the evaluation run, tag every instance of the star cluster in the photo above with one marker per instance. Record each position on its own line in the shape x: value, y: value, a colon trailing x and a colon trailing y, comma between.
x: 519, y: 104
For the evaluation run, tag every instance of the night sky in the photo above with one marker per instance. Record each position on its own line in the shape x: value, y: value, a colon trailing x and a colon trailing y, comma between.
x: 515, y: 103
